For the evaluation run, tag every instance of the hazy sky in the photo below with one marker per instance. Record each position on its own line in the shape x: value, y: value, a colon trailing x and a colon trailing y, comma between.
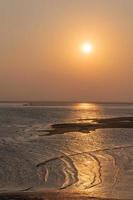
x: 40, y: 56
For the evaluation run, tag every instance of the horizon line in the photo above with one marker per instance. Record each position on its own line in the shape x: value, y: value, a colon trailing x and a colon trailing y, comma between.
x: 65, y: 101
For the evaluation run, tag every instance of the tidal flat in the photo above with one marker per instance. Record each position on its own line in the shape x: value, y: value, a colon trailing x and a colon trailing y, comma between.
x: 66, y: 152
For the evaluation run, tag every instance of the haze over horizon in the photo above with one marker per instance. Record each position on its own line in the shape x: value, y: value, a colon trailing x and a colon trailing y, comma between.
x: 40, y: 56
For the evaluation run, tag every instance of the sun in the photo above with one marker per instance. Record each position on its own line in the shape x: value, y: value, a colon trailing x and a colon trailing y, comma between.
x: 86, y: 48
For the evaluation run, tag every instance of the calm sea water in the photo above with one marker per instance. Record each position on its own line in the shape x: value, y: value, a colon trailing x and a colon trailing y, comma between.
x: 99, y: 163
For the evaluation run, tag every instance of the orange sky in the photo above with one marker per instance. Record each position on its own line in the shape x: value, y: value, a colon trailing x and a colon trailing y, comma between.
x: 40, y: 56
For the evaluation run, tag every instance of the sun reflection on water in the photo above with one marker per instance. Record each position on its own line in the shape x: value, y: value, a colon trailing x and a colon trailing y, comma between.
x: 90, y: 106
x: 88, y: 111
x: 81, y: 147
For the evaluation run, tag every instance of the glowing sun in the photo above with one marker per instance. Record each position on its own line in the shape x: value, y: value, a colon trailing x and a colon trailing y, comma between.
x: 86, y: 48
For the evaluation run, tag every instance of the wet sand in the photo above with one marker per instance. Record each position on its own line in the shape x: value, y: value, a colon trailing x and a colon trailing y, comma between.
x: 49, y: 196
x: 96, y: 165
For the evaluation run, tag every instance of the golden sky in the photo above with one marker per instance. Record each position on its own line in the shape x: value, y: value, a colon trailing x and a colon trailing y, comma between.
x: 40, y: 50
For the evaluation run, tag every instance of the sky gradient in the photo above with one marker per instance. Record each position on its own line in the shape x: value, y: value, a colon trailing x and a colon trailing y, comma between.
x: 40, y: 57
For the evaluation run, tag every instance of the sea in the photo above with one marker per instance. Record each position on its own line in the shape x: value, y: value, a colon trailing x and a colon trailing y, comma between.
x: 98, y: 162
